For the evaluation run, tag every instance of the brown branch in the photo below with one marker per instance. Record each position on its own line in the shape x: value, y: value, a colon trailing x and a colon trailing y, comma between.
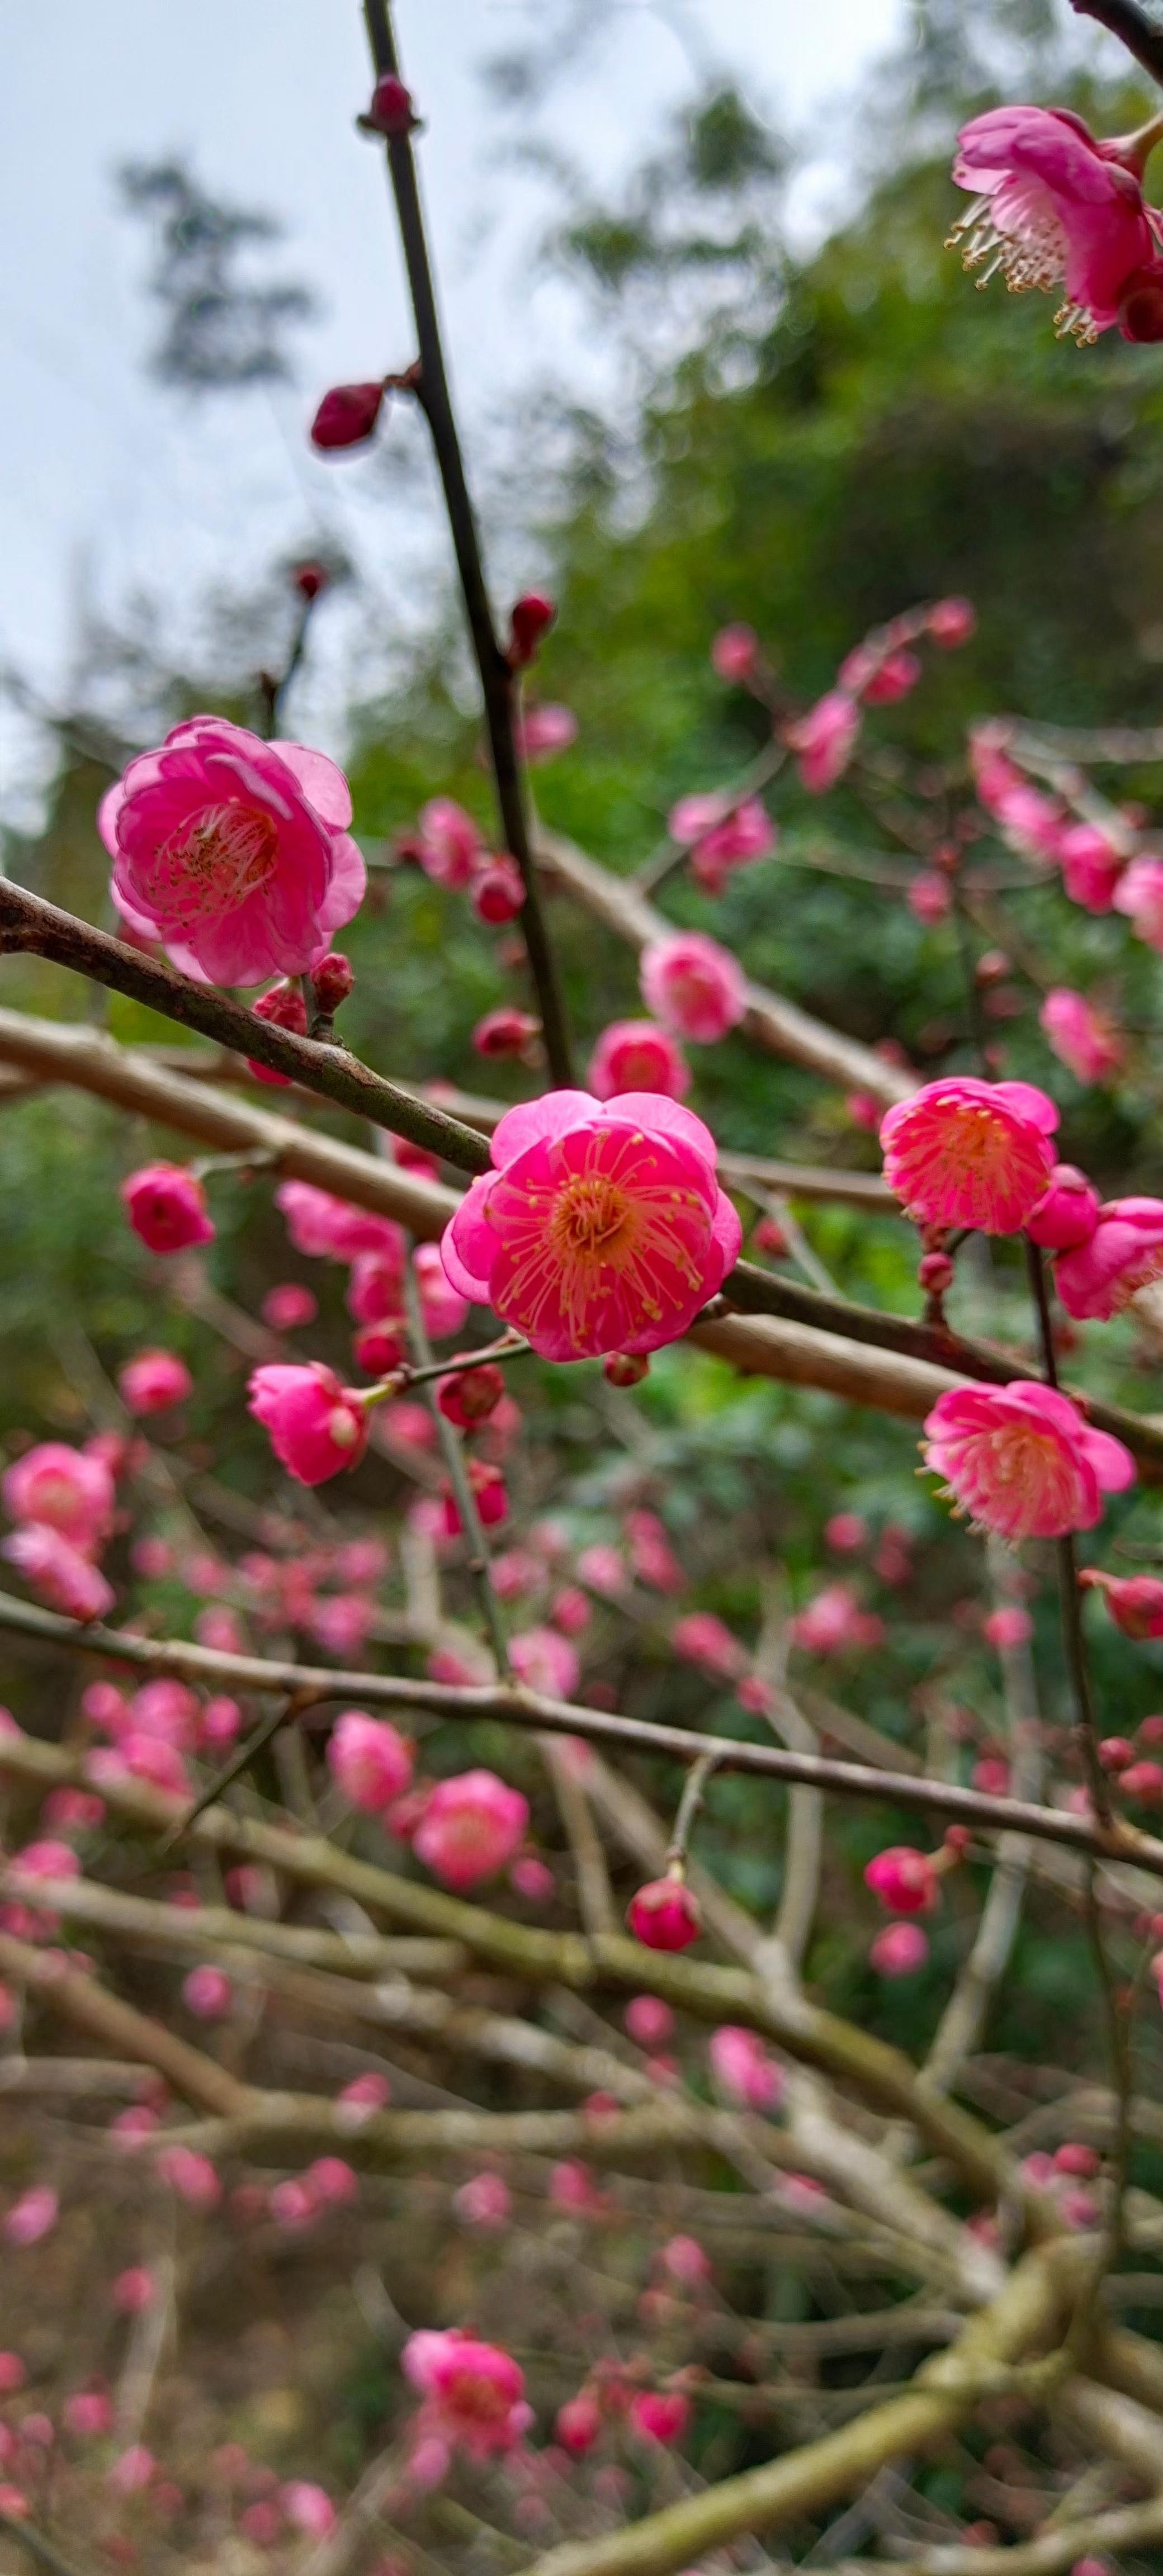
x: 129, y: 2033
x: 1141, y: 35
x: 514, y: 1705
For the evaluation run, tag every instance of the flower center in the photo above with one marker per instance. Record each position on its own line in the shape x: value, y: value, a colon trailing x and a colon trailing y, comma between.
x: 589, y: 1215
x: 1020, y: 231
x: 214, y: 860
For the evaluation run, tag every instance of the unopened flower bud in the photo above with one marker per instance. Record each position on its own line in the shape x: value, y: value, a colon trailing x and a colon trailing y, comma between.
x: 1141, y: 304
x: 664, y: 1915
x: 992, y: 966
x: 499, y: 891
x: 347, y: 416
x: 333, y: 979
x: 935, y: 1273
x: 1067, y: 1213
x: 310, y: 578
x: 625, y: 1368
x: 391, y: 111
x: 469, y: 1396
x: 504, y: 1032
x: 529, y: 624
x: 951, y: 622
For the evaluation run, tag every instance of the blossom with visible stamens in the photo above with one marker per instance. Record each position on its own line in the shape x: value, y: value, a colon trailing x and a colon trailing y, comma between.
x: 603, y: 1227
x: 972, y: 1153
x: 1123, y: 1253
x: 1052, y: 209
x: 1022, y: 1460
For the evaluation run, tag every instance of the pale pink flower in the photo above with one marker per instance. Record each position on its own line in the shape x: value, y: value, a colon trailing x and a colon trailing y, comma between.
x: 1022, y: 1460
x: 484, y: 2201
x: 846, y: 1533
x: 89, y: 2414
x: 703, y: 1639
x: 474, y: 2392
x: 166, y: 1206
x: 371, y: 1762
x: 321, y: 1225
x: 191, y: 2175
x: 743, y: 2068
x: 443, y: 1302
x: 154, y: 1381
x: 546, y: 1662
x: 1068, y: 1213
x: 132, y: 2470
x: 638, y: 1055
x: 603, y: 1227
x: 58, y: 1573
x: 207, y: 1993
x: 1052, y: 211
x: 893, y: 676
x: 317, y: 1426
x: 545, y: 730
x: 929, y: 897
x: 1030, y: 823
x: 471, y: 1826
x: 1080, y: 1036
x: 234, y: 852
x: 649, y: 2021
x: 899, y: 1950
x: 532, y: 1878
x: 1007, y: 1627
x: 1139, y: 893
x: 65, y: 1489
x: 824, y: 740
x: 735, y: 652
x: 449, y: 844
x: 660, y: 2414
x: 664, y: 1915
x: 833, y: 1623
x: 288, y: 1306
x: 601, y: 1569
x: 951, y: 622
x: 167, y: 1709
x: 904, y: 1879
x: 1123, y: 1253
x: 687, y: 2261
x: 965, y: 1152
x: 693, y: 985
x: 343, y: 1624
x: 1091, y: 866
x: 651, y: 1556
x: 308, y: 2508
x: 32, y: 2216
x: 720, y: 837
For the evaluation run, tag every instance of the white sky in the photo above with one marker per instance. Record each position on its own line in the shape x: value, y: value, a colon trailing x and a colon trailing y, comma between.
x: 106, y: 480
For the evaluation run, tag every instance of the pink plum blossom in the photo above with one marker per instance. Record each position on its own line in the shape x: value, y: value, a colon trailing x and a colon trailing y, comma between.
x: 317, y: 1426
x: 833, y: 1623
x: 322, y: 1226
x: 1068, y: 1213
x: 693, y: 985
x: 443, y: 1302
x: 58, y: 1573
x: 1139, y: 894
x: 1123, y: 1253
x: 1022, y: 1460
x: 1051, y: 210
x: 660, y: 2415
x: 735, y: 652
x: 652, y: 1558
x: 824, y: 740
x: 369, y: 1760
x: 845, y: 1533
x: 664, y: 1915
x: 308, y: 2508
x: 155, y: 1381
x: 134, y: 2290
x: 498, y: 891
x: 951, y: 622
x: 545, y: 1661
x: 484, y: 2201
x: 602, y: 1228
x: 232, y: 851
x: 602, y: 1570
x: 89, y: 2414
x: 449, y: 844
x: 686, y: 2261
x: 32, y: 2216
x: 64, y: 1489
x: 1135, y: 1601
x: 929, y: 897
x: 703, y: 1639
x: 191, y: 2176
x: 904, y: 1879
x: 638, y: 1055
x: 743, y: 2067
x: 1091, y: 866
x: 721, y: 837
x: 898, y: 1950
x: 578, y: 2423
x: 970, y: 1153
x: 545, y: 730
x: 166, y: 1206
x: 474, y: 2392
x: 1007, y: 1627
x: 1080, y: 1036
x: 649, y: 2021
x: 471, y: 1825
x: 207, y: 1993
x: 288, y: 1306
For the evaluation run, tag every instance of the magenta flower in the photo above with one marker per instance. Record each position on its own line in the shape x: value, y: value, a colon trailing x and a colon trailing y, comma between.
x: 57, y: 1572
x: 904, y: 1880
x: 1135, y: 1601
x: 471, y: 1825
x: 369, y: 1760
x: 1080, y: 1036
x: 602, y: 1229
x: 234, y: 852
x: 899, y: 1950
x: 1123, y: 1254
x: 1068, y: 1214
x: 154, y: 1381
x: 449, y: 845
x: 1091, y: 866
x: 323, y: 1226
x: 965, y: 1152
x: 660, y: 2414
x: 706, y: 1641
x: 638, y: 1055
x: 166, y: 1206
x: 317, y: 1427
x: 720, y: 838
x: 474, y: 2392
x: 1139, y: 893
x: 692, y: 985
x: 735, y: 653
x: 34, y: 2215
x: 1052, y: 210
x: 66, y: 1489
x: 824, y: 740
x: 207, y: 1993
x: 1022, y: 1460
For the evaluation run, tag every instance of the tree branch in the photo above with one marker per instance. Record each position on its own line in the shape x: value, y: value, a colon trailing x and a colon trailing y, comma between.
x: 1133, y: 27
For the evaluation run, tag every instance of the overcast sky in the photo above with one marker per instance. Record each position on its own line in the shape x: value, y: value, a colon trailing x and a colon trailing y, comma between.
x: 109, y: 483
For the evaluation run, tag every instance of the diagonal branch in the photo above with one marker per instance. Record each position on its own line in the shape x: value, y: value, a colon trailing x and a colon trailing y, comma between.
x: 1134, y: 27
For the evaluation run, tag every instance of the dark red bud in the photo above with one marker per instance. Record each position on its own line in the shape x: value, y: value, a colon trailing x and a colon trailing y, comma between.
x: 935, y: 1273
x: 333, y: 979
x: 625, y: 1368
x: 391, y: 111
x: 310, y: 578
x: 469, y: 1396
x: 1141, y: 307
x: 532, y: 617
x: 347, y: 416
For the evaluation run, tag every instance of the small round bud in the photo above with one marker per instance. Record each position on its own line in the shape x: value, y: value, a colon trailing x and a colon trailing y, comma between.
x: 770, y: 1237
x: 469, y: 1396
x: 310, y: 578
x: 664, y: 1915
x: 347, y: 416
x: 391, y: 111
x: 529, y: 624
x: 935, y: 1273
x: 625, y: 1368
x: 951, y: 622
x: 992, y: 966
x: 380, y: 1348
x: 333, y: 979
x: 504, y: 1032
x: 499, y: 890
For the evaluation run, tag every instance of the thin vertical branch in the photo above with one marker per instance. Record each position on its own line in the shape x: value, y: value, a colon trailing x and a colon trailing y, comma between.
x: 458, y: 1475
x: 497, y: 680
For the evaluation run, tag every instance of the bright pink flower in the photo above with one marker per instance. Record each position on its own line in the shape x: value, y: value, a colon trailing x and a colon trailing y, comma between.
x: 134, y: 2290
x: 1135, y: 1601
x: 1139, y: 893
x: 735, y: 652
x: 371, y: 1762
x: 154, y: 1381
x: 375, y: 1289
x: 1068, y: 1214
x: 167, y: 1709
x: 288, y: 1306
x: 474, y: 2391
x: 319, y: 1224
x: 166, y: 1206
x: 660, y: 2415
x: 1008, y: 1627
x: 316, y: 1426
x: 34, y: 2215
x: 693, y: 985
x: 1123, y: 1254
x: 219, y: 1725
x: 443, y: 1301
x: 704, y: 1640
x: 489, y: 1493
x: 467, y: 1397
x: 603, y: 1227
x: 905, y: 1880
x: 652, y: 1558
x: 965, y: 1152
x: 832, y: 1623
x: 546, y: 730
x: 664, y: 1915
x: 485, y: 2200
x: 207, y: 1993
x: 1022, y: 1460
x: 1080, y: 1036
x: 951, y: 622
x: 687, y: 2261
x: 58, y: 1573
x: 1052, y: 211
x: 1091, y: 866
x: 649, y: 2021
x: 899, y: 1950
x: 191, y: 2175
x: 307, y: 2507
x: 824, y: 740
x: 64, y: 1489
x: 546, y: 1662
x: 346, y: 416
x: 234, y: 852
x: 450, y: 844
x: 638, y: 1055
x: 743, y: 2067
x: 470, y: 1827
x: 846, y: 1533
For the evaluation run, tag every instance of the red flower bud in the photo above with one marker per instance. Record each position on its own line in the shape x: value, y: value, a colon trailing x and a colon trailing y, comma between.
x: 310, y: 578
x: 379, y: 1348
x: 499, y: 890
x: 468, y: 1396
x: 347, y: 416
x: 770, y: 1237
x: 625, y: 1368
x: 391, y: 111
x: 935, y: 1273
x: 1141, y: 304
x: 530, y: 622
x: 333, y: 979
x: 504, y: 1032
x: 664, y: 1915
